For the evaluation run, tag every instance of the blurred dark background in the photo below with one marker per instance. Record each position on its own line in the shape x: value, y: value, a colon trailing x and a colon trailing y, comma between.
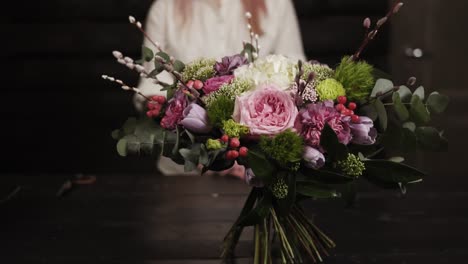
x: 57, y: 116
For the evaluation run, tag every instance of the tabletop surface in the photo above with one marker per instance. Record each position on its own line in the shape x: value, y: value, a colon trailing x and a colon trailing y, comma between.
x: 153, y: 219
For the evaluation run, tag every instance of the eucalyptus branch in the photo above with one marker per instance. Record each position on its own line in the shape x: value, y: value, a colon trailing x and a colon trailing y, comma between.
x: 371, y: 35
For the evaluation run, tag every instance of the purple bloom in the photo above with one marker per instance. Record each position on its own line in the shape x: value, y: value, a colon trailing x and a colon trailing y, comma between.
x: 363, y: 132
x: 213, y: 84
x: 229, y: 64
x: 174, y: 111
x: 196, y: 119
x: 251, y: 179
x: 313, y: 158
x: 312, y: 119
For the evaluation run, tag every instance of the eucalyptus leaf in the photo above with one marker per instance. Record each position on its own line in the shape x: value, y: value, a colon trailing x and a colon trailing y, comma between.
x: 164, y: 55
x: 437, y: 103
x: 396, y: 159
x: 116, y: 134
x: 382, y: 114
x: 418, y: 111
x: 392, y: 173
x: 122, y: 147
x: 411, y: 126
x: 400, y: 109
x: 317, y: 190
x: 179, y: 66
x: 420, y: 93
x: 382, y: 86
x: 429, y: 138
x: 405, y: 94
x: 147, y: 54
x: 369, y: 111
x: 130, y: 125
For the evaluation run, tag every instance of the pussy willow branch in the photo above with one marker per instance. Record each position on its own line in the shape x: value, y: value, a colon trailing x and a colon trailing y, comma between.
x: 371, y: 35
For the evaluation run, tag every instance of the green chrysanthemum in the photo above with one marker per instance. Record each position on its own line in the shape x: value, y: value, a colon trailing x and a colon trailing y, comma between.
x: 330, y: 89
x: 234, y: 129
x: 321, y: 72
x: 279, y: 188
x: 220, y: 110
x: 286, y: 148
x: 213, y: 144
x: 237, y: 87
x: 201, y: 69
x: 356, y: 78
x: 352, y: 166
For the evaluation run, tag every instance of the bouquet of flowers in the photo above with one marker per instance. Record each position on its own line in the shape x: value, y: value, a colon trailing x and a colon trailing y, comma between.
x: 301, y: 129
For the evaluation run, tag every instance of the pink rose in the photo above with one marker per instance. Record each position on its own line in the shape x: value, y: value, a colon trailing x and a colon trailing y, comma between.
x: 213, y: 84
x: 266, y: 110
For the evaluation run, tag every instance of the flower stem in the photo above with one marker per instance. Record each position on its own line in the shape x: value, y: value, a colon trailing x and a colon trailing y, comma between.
x: 257, y: 244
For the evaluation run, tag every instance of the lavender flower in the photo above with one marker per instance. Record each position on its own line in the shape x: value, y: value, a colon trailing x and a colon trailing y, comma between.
x: 196, y: 119
x: 313, y: 158
x: 251, y: 179
x: 229, y: 64
x: 363, y: 132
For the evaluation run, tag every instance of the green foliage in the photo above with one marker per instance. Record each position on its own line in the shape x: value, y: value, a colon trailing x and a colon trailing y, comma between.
x: 213, y: 144
x: 391, y: 174
x: 329, y: 141
x: 382, y: 86
x: 201, y: 69
x: 321, y: 72
x: 330, y: 89
x: 351, y: 166
x: 220, y: 110
x: 279, y: 188
x: 356, y: 77
x: 260, y: 165
x: 235, y: 88
x: 317, y: 190
x: 437, y: 103
x: 234, y: 129
x: 285, y: 148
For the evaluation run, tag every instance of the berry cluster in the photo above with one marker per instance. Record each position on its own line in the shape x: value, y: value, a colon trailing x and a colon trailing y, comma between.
x: 347, y: 111
x: 155, y: 105
x: 236, y: 150
x: 197, y: 84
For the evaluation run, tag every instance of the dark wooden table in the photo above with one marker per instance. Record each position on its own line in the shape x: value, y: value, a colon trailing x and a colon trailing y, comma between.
x: 171, y: 220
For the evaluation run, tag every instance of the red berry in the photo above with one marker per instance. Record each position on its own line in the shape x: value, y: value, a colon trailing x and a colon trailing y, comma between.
x: 150, y: 105
x: 350, y: 112
x: 243, y: 151
x: 149, y: 114
x: 355, y: 119
x: 344, y: 111
x: 225, y: 138
x: 198, y: 84
x: 339, y: 107
x: 235, y: 143
x: 232, y: 154
x: 342, y: 99
x: 352, y: 106
x: 189, y: 84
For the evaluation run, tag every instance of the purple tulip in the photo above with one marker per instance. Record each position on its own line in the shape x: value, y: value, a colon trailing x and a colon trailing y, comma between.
x: 364, y: 132
x: 313, y: 158
x: 229, y: 64
x: 251, y: 179
x: 196, y: 119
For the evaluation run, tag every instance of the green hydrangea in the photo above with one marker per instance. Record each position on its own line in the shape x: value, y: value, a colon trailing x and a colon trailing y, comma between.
x: 235, y: 88
x: 352, y: 166
x: 356, y: 77
x: 279, y: 188
x: 321, y: 72
x: 286, y: 148
x: 330, y: 89
x: 201, y: 69
x: 234, y: 129
x: 213, y: 144
x: 220, y: 110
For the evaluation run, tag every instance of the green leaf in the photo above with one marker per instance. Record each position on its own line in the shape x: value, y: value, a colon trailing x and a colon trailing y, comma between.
x: 116, y: 134
x: 411, y: 126
x: 164, y: 55
x: 133, y: 145
x: 122, y: 147
x: 400, y: 108
x: 437, y: 103
x: 147, y: 54
x: 391, y: 173
x: 257, y: 214
x: 382, y: 86
x: 418, y: 111
x: 204, y: 157
x: 191, y: 157
x: 179, y: 66
x: 261, y: 166
x: 420, y: 93
x: 396, y: 159
x: 369, y: 111
x: 317, y: 190
x: 329, y: 141
x: 382, y: 114
x: 405, y: 94
x: 430, y: 139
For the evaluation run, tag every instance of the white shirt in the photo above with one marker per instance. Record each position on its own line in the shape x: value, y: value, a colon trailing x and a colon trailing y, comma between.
x: 215, y: 32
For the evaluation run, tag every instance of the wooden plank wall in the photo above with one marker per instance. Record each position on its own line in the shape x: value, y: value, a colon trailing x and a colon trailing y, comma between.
x: 58, y: 113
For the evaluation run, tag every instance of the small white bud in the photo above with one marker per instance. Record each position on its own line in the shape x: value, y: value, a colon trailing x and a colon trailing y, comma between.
x: 117, y: 54
x: 248, y: 15
x: 397, y: 7
x: 126, y: 88
x: 259, y: 47
x: 119, y: 82
x: 104, y: 77
x: 256, y: 36
x: 138, y: 24
x: 246, y: 55
x: 140, y: 68
x: 249, y: 27
x: 128, y: 60
x: 381, y: 21
x: 143, y: 75
x: 111, y: 79
x: 252, y: 34
x: 122, y: 61
x: 367, y: 23
x: 131, y: 66
x: 136, y: 90
x: 131, y: 19
x: 255, y: 55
